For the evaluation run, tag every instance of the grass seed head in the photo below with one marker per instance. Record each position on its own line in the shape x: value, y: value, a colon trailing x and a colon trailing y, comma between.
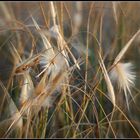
x: 124, y: 76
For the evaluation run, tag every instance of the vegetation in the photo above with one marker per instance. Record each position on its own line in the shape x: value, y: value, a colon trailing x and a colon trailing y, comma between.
x: 69, y: 70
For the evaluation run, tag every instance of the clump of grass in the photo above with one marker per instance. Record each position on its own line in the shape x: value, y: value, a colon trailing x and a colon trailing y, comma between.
x: 62, y: 83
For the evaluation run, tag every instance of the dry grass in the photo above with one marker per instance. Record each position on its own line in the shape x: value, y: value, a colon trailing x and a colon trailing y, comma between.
x: 69, y: 70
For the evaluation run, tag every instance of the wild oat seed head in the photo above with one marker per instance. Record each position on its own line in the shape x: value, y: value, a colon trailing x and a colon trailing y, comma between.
x: 27, y: 89
x: 51, y: 64
x: 124, y: 76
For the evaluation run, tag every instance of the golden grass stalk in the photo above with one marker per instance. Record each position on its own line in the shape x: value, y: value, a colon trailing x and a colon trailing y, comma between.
x: 47, y: 44
x: 62, y: 45
x: 53, y: 13
x: 125, y: 48
x: 115, y: 6
x: 27, y: 88
x: 107, y: 79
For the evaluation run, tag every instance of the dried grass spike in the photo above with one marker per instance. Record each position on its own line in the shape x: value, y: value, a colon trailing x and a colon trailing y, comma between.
x: 107, y: 79
x: 124, y: 76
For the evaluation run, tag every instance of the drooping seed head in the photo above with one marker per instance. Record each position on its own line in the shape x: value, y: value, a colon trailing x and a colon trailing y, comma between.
x: 124, y: 76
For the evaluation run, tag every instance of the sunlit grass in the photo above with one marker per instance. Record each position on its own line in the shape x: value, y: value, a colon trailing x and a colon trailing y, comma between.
x: 66, y: 70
